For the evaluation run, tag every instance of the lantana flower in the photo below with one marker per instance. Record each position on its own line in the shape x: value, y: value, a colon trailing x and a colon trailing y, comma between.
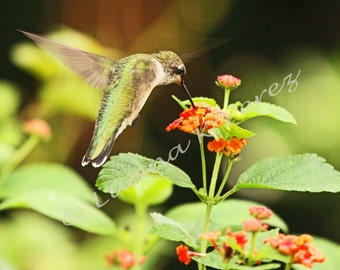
x: 124, y: 258
x: 254, y: 225
x: 227, y: 252
x: 201, y: 119
x: 184, y: 254
x: 298, y: 247
x: 231, y: 148
x: 228, y: 82
x: 260, y: 212
x: 38, y: 127
x: 212, y: 237
x: 241, y: 237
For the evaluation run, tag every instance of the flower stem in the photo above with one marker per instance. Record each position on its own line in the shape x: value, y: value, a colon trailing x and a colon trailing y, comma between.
x: 214, y: 176
x: 138, y: 241
x: 252, y: 248
x: 288, y: 266
x: 225, y: 178
x: 204, y: 170
x: 226, y: 99
x: 20, y: 155
x: 209, y: 205
x: 206, y: 223
x: 228, y: 193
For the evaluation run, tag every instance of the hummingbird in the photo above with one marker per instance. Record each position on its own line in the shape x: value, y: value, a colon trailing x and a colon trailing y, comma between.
x: 127, y: 83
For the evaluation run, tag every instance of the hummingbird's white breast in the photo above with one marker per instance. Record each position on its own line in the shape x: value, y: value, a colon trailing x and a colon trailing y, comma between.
x: 144, y: 90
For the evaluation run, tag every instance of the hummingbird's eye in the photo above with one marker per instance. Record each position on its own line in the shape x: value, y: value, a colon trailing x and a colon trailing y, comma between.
x: 180, y: 70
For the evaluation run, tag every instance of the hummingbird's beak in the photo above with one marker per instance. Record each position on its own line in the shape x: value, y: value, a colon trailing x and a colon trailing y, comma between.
x: 189, y: 96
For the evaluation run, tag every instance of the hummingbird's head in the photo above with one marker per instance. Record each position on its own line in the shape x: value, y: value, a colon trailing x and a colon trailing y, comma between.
x: 173, y: 67
x: 174, y: 70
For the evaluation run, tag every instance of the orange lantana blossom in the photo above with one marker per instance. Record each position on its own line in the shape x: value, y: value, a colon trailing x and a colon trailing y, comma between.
x: 227, y: 252
x: 231, y: 148
x: 201, y: 119
x: 124, y: 259
x: 184, y: 254
x: 299, y: 248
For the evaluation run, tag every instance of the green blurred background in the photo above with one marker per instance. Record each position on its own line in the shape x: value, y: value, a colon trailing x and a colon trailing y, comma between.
x: 262, y: 43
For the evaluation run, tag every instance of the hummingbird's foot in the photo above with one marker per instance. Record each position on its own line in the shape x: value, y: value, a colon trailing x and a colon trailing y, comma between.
x: 134, y: 121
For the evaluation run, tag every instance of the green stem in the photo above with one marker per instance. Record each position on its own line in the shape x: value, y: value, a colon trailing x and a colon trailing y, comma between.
x: 214, y: 176
x: 226, y: 99
x: 288, y: 266
x: 225, y: 178
x: 20, y: 155
x: 206, y: 223
x: 228, y: 193
x: 209, y: 205
x: 204, y: 169
x: 252, y: 248
x: 138, y: 241
x: 211, y: 199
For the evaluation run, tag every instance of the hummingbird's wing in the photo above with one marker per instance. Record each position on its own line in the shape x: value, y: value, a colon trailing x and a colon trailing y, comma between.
x: 186, y: 57
x: 94, y: 69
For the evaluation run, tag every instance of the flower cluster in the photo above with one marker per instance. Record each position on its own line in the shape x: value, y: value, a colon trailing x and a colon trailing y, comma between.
x: 240, y: 237
x: 230, y: 148
x: 242, y: 243
x: 38, y: 127
x: 259, y: 213
x: 223, y: 245
x: 201, y: 119
x: 254, y: 225
x: 299, y: 248
x: 124, y: 258
x: 227, y: 252
x: 228, y: 82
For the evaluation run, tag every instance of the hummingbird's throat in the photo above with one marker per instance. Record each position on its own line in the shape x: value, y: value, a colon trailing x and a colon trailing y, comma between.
x: 188, y: 93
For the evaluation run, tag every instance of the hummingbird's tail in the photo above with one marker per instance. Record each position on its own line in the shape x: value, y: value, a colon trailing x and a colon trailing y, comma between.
x: 99, y: 159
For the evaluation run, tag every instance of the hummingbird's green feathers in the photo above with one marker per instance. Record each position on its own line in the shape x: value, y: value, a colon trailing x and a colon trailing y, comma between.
x: 129, y: 87
x: 94, y: 69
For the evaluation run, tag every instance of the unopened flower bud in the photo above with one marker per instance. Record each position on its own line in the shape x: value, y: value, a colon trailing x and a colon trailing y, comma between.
x: 38, y: 127
x: 228, y: 82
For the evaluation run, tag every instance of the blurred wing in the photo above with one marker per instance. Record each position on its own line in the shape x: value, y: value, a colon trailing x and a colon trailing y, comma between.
x: 94, y: 69
x: 187, y: 57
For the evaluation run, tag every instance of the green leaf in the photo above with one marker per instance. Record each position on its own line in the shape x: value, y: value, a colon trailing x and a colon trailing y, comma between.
x: 255, y: 109
x: 127, y: 169
x: 63, y: 207
x: 29, y: 239
x: 228, y: 132
x: 260, y: 267
x: 152, y: 190
x: 214, y: 260
x: 267, y: 252
x: 56, y: 191
x: 185, y: 103
x: 43, y: 175
x: 58, y: 94
x: 173, y: 173
x: 227, y: 213
x: 31, y: 58
x: 172, y: 230
x: 10, y: 99
x: 307, y: 172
